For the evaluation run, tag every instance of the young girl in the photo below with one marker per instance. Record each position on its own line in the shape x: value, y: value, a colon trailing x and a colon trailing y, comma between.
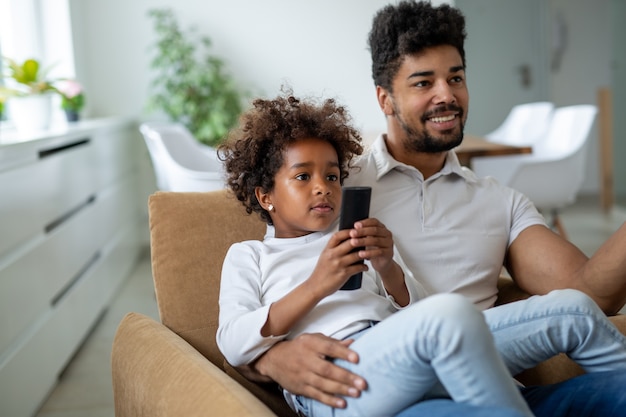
x: 287, y: 163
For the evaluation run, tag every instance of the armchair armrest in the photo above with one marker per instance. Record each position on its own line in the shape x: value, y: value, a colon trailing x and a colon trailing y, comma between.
x: 156, y: 373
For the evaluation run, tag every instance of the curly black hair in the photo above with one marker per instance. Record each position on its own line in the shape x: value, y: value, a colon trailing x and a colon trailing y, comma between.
x: 253, y: 152
x: 408, y: 28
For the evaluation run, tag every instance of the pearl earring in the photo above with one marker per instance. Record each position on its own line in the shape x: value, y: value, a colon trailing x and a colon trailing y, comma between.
x: 270, y: 207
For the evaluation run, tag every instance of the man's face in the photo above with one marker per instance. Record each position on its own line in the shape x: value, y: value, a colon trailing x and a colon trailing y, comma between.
x: 429, y: 100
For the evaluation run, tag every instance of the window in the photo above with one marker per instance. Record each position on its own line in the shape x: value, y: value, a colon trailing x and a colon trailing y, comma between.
x: 39, y: 29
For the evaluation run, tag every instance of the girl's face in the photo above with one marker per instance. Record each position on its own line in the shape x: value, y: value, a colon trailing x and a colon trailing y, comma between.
x: 307, y: 192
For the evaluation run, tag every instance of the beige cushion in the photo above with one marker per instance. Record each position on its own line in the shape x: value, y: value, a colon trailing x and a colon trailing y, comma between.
x: 172, y: 380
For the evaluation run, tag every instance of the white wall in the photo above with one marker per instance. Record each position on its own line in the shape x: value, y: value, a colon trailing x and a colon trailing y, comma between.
x: 585, y: 68
x: 319, y: 48
x: 618, y: 12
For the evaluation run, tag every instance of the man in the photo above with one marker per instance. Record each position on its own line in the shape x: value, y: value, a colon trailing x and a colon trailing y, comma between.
x: 455, y: 231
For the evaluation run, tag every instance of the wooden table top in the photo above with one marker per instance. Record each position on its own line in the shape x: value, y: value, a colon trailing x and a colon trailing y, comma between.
x: 473, y: 146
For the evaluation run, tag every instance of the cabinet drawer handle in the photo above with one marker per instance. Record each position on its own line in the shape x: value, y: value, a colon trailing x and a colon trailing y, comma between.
x: 56, y: 223
x: 44, y: 153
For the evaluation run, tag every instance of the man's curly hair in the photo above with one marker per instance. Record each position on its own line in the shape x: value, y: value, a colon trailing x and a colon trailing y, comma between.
x: 253, y: 153
x: 408, y: 28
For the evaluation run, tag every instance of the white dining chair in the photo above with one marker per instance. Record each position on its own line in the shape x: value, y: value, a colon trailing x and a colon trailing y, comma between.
x: 524, y: 125
x: 552, y: 175
x: 180, y: 162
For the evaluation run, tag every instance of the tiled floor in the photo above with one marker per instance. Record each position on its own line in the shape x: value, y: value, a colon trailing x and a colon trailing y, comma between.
x: 84, y: 389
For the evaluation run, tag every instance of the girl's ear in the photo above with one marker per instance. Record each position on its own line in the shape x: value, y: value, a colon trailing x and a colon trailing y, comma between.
x: 263, y: 198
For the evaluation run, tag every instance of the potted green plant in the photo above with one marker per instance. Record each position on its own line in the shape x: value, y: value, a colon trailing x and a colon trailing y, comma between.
x: 28, y: 94
x: 191, y: 85
x: 72, y: 98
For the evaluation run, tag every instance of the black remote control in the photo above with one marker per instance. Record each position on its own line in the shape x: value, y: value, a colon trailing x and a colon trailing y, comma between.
x: 355, y: 206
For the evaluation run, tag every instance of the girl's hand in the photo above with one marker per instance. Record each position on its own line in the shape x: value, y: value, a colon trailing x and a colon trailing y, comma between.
x: 378, y: 243
x: 335, y: 265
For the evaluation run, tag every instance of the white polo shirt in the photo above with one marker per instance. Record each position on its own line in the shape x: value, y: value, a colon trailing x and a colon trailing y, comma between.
x: 255, y: 274
x: 453, y: 229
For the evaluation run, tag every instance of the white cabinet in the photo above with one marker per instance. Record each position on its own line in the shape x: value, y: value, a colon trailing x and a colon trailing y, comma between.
x: 70, y: 227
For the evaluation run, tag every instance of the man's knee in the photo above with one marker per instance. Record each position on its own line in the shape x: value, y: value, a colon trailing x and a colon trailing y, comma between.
x: 571, y: 300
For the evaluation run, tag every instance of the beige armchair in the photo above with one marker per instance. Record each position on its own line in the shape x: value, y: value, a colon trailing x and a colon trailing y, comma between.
x: 174, y: 368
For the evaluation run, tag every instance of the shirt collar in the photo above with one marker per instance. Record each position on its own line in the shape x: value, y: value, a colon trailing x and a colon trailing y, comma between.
x: 385, y: 163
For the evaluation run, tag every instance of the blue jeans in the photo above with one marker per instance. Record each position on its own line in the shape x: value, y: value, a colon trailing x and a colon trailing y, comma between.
x: 562, y: 321
x: 531, y: 331
x: 601, y: 394
x: 437, y: 352
x: 441, y: 339
x: 445, y: 407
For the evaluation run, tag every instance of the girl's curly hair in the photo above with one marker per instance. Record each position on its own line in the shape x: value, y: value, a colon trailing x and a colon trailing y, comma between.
x: 253, y: 152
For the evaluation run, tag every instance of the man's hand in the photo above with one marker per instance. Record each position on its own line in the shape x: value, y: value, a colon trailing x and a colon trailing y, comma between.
x: 301, y: 367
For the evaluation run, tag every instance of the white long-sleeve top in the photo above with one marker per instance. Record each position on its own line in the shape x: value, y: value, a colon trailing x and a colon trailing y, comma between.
x: 257, y: 273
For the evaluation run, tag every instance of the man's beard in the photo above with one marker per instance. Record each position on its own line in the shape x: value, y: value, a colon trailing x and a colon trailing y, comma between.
x: 422, y: 141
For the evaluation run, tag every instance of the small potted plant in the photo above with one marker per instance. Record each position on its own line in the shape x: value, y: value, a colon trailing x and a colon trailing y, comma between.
x: 27, y: 93
x: 72, y: 98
